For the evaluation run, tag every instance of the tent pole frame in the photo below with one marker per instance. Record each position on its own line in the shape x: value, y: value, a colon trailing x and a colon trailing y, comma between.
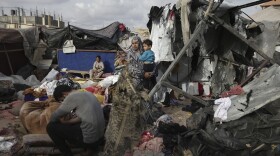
x: 8, y: 58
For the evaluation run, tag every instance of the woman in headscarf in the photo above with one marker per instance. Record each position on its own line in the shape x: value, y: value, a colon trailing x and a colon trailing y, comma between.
x: 135, y: 66
x: 128, y: 114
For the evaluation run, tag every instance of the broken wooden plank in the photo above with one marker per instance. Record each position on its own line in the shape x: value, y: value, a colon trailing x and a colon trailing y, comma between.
x: 176, y: 89
x: 254, y: 73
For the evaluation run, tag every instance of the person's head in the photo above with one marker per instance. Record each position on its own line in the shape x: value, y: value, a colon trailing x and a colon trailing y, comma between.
x: 60, y: 92
x: 98, y: 58
x: 136, y: 43
x: 122, y: 56
x: 147, y: 44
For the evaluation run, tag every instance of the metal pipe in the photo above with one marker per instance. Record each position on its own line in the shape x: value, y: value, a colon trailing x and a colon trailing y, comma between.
x: 248, y: 5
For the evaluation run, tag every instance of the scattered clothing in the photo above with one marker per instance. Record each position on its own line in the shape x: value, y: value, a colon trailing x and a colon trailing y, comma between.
x: 164, y: 118
x: 145, y: 137
x: 68, y: 82
x: 250, y: 71
x: 49, y: 86
x: 155, y: 144
x: 237, y: 90
x: 221, y: 112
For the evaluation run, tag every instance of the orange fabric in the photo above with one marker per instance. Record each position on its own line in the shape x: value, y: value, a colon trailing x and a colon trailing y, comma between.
x: 36, y: 115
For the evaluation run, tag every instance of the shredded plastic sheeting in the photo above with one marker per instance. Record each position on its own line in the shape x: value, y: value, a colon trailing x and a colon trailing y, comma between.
x: 31, y: 80
x: 30, y: 42
x: 265, y: 90
x: 6, y: 145
x: 224, y: 74
x: 105, y: 38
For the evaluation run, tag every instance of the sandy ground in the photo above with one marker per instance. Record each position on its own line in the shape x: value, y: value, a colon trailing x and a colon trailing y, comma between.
x: 176, y: 112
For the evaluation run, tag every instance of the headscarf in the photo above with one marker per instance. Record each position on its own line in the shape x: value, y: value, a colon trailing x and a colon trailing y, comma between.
x: 135, y: 54
x: 140, y: 44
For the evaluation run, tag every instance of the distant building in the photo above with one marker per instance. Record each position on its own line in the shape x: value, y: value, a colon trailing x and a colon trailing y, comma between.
x: 270, y: 12
x: 18, y: 19
x: 125, y: 41
x: 143, y: 33
x: 275, y: 3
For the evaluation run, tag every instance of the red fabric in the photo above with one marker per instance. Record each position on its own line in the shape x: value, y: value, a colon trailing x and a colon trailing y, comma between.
x: 171, y: 15
x: 122, y: 27
x: 200, y: 89
x: 145, y: 136
x: 95, y: 90
x: 237, y: 90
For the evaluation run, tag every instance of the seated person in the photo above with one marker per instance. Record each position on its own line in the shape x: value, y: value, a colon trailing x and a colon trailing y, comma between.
x: 120, y: 61
x: 97, y: 69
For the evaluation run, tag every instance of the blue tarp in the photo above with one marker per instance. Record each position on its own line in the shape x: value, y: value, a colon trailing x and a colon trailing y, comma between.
x: 83, y: 60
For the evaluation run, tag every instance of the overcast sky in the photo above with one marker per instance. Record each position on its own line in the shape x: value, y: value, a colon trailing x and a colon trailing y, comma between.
x: 94, y: 14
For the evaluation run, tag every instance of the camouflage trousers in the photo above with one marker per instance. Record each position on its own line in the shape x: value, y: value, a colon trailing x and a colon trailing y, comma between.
x: 127, y: 119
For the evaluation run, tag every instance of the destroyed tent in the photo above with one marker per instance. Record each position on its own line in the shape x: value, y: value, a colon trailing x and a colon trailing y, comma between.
x: 39, y: 42
x: 34, y: 46
x: 77, y: 48
x: 218, y: 55
x: 25, y: 46
x: 102, y: 39
x: 226, y: 38
x: 12, y: 56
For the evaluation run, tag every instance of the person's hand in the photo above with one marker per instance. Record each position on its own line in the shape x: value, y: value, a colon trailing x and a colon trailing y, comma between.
x: 71, y: 120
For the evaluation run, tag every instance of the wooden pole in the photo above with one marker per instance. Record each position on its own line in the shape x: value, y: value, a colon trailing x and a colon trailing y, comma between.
x: 8, y: 58
x: 254, y: 73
